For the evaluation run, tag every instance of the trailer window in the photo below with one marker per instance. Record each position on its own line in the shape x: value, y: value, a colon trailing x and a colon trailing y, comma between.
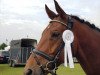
x: 27, y: 43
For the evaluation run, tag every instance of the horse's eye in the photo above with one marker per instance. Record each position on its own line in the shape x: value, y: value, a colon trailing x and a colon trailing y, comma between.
x: 55, y: 35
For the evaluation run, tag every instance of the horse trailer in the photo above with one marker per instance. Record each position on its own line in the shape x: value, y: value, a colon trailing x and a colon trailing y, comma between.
x: 20, y: 51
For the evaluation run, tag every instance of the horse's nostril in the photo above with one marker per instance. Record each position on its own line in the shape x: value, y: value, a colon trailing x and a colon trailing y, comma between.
x: 29, y: 72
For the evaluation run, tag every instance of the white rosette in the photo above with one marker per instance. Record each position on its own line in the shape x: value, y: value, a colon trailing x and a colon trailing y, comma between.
x: 68, y: 38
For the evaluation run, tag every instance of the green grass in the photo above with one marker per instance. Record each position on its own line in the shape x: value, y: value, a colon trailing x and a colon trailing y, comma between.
x: 6, y: 70
x: 67, y: 71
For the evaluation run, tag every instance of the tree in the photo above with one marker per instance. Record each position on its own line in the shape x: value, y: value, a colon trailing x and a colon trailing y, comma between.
x: 2, y: 46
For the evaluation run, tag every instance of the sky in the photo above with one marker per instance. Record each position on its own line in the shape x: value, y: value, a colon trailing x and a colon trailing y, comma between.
x: 27, y: 18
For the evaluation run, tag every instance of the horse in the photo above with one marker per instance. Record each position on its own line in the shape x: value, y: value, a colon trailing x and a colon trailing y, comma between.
x: 49, y: 53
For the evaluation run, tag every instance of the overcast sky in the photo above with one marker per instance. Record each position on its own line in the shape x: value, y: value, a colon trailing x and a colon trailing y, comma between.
x: 22, y: 18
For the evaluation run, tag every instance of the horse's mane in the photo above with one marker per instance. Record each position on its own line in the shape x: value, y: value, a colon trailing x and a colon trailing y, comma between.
x: 86, y: 22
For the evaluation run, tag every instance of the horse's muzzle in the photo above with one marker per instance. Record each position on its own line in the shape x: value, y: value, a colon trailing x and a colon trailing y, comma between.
x: 28, y: 72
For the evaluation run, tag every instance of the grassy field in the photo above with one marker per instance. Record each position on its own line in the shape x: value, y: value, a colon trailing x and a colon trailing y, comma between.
x: 6, y: 70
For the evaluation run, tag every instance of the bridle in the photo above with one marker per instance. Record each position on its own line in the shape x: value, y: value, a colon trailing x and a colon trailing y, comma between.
x: 52, y: 60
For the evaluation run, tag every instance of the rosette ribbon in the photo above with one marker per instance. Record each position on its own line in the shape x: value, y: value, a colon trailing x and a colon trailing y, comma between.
x: 68, y: 38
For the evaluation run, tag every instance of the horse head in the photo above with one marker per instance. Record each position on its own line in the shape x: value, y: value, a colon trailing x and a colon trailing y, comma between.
x: 49, y: 51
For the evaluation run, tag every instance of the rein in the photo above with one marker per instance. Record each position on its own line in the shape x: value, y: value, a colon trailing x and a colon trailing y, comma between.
x: 52, y: 60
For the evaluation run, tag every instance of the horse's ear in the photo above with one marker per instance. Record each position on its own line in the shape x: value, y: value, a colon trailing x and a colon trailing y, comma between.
x: 50, y: 13
x: 60, y: 10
